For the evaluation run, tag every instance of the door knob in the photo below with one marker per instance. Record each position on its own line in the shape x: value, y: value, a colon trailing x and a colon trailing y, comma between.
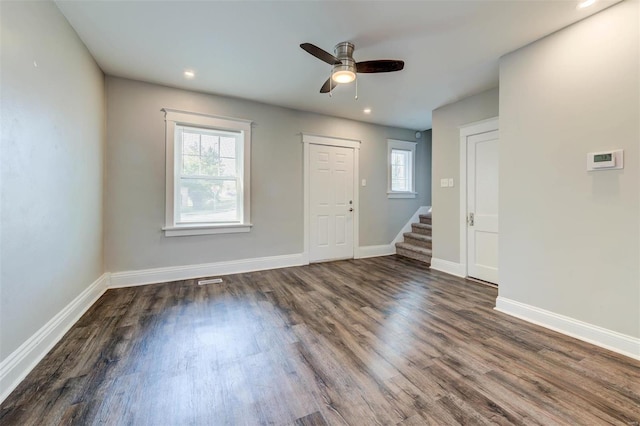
x: 351, y: 209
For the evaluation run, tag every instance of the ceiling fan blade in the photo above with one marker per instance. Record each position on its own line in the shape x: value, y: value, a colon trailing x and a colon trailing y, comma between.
x: 328, y: 86
x: 382, y: 65
x: 320, y: 54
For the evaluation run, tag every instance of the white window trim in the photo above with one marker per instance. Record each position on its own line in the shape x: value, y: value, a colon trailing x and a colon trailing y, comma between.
x: 405, y: 146
x: 175, y: 117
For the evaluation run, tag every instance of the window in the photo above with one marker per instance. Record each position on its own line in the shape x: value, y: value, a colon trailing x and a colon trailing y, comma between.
x: 207, y: 170
x: 401, y: 169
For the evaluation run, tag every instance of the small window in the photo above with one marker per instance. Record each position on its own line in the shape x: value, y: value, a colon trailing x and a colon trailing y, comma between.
x: 207, y: 174
x: 401, y: 169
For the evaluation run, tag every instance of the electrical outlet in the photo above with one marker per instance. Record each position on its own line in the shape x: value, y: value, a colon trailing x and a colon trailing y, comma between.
x: 444, y: 183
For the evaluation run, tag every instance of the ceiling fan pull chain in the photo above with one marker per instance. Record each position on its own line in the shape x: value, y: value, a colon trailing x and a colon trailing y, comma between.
x: 356, y: 89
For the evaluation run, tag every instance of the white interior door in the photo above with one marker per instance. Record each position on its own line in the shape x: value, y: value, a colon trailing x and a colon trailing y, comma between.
x: 330, y: 203
x: 482, y: 206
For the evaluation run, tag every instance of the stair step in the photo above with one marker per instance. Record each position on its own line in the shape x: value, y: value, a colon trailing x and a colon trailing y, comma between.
x: 413, y: 252
x: 421, y: 228
x: 418, y: 239
x: 414, y: 248
x: 425, y: 218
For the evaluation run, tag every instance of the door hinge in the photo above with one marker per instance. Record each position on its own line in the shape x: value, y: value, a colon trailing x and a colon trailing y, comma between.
x: 470, y: 219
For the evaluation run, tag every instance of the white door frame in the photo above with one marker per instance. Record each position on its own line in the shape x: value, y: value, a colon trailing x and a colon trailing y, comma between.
x: 308, y: 139
x: 475, y: 128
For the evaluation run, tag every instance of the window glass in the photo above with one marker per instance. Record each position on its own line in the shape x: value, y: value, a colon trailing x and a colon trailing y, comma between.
x: 400, y: 161
x: 207, y: 174
x: 209, y: 178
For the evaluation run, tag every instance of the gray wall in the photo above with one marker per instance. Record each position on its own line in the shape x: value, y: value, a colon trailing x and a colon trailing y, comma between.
x: 446, y: 164
x: 569, y: 239
x: 52, y: 119
x: 135, y: 185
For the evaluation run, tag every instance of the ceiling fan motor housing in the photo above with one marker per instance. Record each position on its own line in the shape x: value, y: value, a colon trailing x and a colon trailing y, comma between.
x: 344, y: 52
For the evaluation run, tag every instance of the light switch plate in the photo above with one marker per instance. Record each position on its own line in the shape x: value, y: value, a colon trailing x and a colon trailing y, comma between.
x: 364, y: 182
x: 451, y: 182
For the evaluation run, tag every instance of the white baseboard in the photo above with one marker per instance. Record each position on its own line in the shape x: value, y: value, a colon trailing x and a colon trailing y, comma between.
x: 608, y: 339
x: 18, y: 364
x: 175, y: 273
x: 451, y: 268
x: 407, y: 226
x: 375, y: 251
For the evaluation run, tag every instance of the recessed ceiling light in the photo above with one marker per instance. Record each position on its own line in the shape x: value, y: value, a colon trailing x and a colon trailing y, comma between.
x: 189, y: 74
x: 367, y: 110
x: 586, y: 3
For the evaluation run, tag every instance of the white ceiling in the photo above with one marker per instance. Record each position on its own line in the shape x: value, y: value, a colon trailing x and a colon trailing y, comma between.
x: 251, y: 49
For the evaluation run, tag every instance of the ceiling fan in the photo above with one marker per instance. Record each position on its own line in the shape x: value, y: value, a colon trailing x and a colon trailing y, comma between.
x: 345, y: 67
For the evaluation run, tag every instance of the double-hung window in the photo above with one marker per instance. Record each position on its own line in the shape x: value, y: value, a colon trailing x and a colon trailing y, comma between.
x: 401, y: 158
x: 208, y: 178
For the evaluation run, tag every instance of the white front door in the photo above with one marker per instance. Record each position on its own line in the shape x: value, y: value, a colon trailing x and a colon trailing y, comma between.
x: 482, y: 206
x: 330, y: 202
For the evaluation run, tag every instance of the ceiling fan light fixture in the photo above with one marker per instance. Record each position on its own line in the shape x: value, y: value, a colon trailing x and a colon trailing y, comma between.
x: 343, y: 76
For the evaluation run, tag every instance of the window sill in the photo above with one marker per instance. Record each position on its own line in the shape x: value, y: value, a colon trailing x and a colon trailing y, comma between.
x: 402, y: 194
x: 186, y: 230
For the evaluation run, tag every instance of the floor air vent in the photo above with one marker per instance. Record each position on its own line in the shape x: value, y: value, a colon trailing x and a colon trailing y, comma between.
x: 212, y: 281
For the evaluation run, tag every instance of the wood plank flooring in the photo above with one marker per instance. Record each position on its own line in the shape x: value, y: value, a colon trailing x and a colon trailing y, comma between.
x: 382, y: 341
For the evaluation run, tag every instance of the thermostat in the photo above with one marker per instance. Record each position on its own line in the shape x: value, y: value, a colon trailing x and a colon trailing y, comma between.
x: 606, y: 160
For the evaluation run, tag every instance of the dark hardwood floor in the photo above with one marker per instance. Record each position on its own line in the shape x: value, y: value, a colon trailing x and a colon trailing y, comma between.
x: 364, y: 342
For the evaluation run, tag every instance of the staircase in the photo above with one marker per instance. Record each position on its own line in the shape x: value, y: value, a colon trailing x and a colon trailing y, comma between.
x: 417, y: 243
